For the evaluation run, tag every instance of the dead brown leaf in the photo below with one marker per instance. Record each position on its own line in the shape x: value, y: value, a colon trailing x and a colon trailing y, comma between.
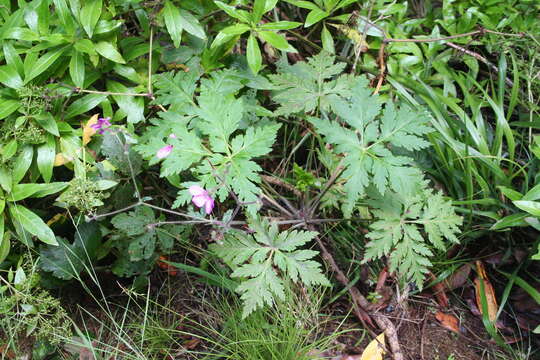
x: 489, y: 292
x: 448, y: 321
x: 191, y: 344
x: 439, y: 292
x: 458, y: 277
x: 374, y: 350
x: 88, y: 130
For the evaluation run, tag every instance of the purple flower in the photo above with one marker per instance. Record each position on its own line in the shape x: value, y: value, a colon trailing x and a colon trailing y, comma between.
x: 164, y: 151
x: 102, y: 125
x: 200, y: 198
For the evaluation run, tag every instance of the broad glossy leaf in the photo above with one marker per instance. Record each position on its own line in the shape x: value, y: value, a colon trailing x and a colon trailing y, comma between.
x: 85, y: 46
x: 303, y: 4
x: 191, y: 24
x: 47, y: 122
x: 22, y: 164
x: 258, y: 10
x: 42, y: 64
x: 533, y: 194
x: 66, y: 18
x: 32, y: 223
x: 12, y: 57
x: 133, y: 106
x: 84, y: 104
x: 6, y: 180
x: 236, y: 29
x: 9, y: 149
x: 327, y: 40
x: 108, y: 51
x: 532, y: 207
x: 173, y: 22
x: 510, y: 221
x: 45, y: 158
x: 241, y: 15
x: 280, y: 25
x: 7, y: 107
x: 10, y: 77
x: 315, y: 16
x: 253, y: 53
x: 23, y: 191
x: 76, y: 68
x: 21, y: 34
x: 276, y: 40
x: 89, y: 15
x: 4, y: 244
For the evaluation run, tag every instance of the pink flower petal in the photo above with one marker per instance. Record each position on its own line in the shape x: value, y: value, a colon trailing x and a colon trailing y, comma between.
x: 200, y: 200
x: 196, y: 190
x: 164, y: 151
x: 172, y: 136
x: 209, y: 205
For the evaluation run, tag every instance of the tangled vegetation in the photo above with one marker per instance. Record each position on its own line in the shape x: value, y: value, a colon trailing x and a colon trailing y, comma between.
x: 277, y: 161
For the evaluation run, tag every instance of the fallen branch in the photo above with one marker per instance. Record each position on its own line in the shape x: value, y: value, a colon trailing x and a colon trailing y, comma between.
x: 360, y: 303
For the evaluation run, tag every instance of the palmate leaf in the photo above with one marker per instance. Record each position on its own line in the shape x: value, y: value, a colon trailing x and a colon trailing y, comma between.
x: 67, y: 260
x: 405, y: 220
x: 263, y: 260
x: 133, y: 232
x: 210, y: 138
x: 367, y: 140
x: 306, y: 86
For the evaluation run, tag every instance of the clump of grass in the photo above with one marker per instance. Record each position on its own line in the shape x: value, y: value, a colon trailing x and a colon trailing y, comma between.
x: 294, y: 329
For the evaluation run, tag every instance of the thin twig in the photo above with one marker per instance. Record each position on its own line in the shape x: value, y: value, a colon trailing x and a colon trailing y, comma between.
x: 150, y: 60
x: 312, y: 206
x: 277, y: 181
x: 480, y: 58
x: 360, y: 304
x: 358, y: 49
x: 99, y: 216
x: 481, y: 31
x: 78, y: 90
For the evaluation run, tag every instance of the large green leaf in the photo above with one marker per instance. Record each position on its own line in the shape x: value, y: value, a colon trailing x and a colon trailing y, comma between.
x: 45, y: 158
x: 67, y: 260
x: 133, y: 106
x: 253, y: 53
x: 76, y: 68
x: 32, y: 223
x: 84, y: 104
x: 23, y: 191
x: 10, y: 77
x: 89, y: 15
x: 191, y: 24
x: 42, y: 64
x: 47, y: 122
x: 173, y: 22
x: 109, y: 51
x: 66, y: 18
x: 23, y: 162
x: 532, y: 207
x: 7, y: 107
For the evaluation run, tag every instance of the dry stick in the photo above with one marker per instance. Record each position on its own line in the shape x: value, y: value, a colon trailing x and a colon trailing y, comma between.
x: 480, y: 58
x: 277, y: 181
x: 481, y: 31
x: 386, y: 40
x: 362, y: 39
x: 360, y: 303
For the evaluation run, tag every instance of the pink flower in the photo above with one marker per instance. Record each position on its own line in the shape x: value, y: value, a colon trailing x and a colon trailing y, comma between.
x: 164, y: 151
x: 172, y: 136
x: 102, y: 125
x: 201, y: 198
